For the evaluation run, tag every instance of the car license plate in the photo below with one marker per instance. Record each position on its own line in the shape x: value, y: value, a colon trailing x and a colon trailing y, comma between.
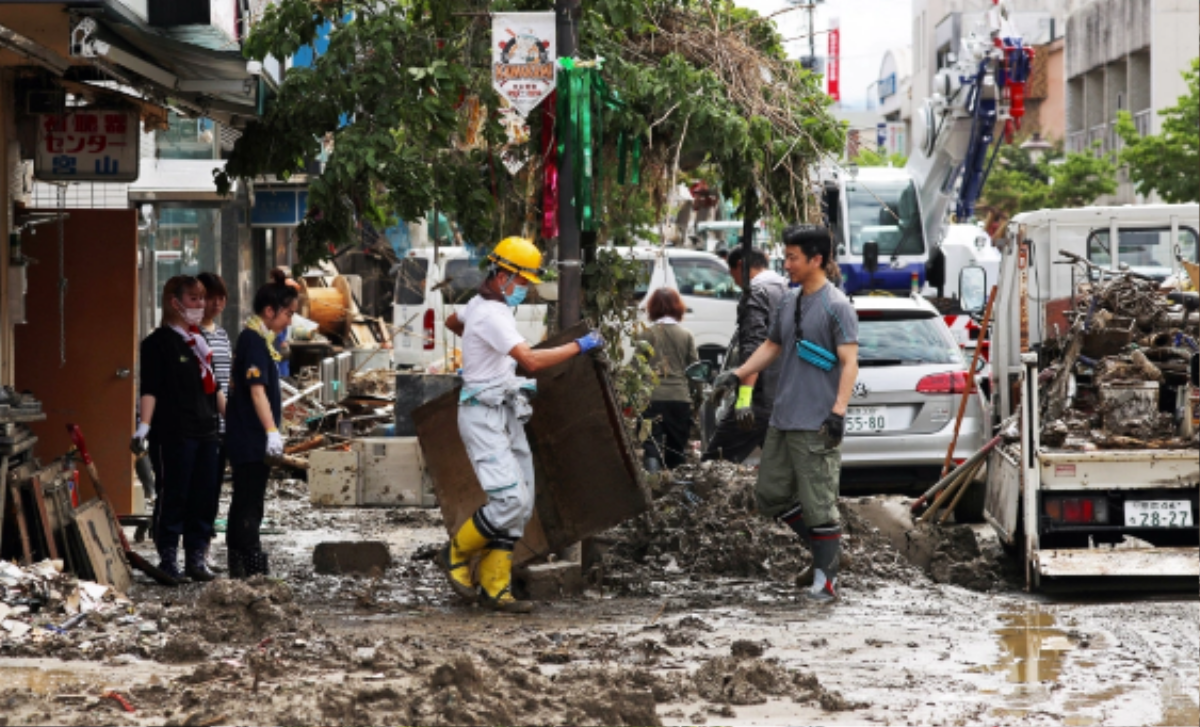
x: 1158, y: 513
x: 866, y: 419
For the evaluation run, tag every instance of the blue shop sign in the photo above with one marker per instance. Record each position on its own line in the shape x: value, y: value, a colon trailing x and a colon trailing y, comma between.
x: 278, y: 207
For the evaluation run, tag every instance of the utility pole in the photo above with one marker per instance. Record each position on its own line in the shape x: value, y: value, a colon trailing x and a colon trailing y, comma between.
x: 570, y: 265
x: 812, y: 32
x: 749, y: 218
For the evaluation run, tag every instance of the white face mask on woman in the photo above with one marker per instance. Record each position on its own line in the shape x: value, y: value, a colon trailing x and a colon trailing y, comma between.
x: 192, y: 316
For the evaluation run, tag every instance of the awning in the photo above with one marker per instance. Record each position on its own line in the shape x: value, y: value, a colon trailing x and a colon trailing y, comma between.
x: 154, y: 117
x: 178, y: 180
x: 185, y: 67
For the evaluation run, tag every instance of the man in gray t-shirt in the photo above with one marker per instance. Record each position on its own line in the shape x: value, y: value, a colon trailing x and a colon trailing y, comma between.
x: 816, y: 331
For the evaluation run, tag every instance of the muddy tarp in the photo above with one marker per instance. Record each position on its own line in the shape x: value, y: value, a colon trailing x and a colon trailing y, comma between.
x: 587, y: 477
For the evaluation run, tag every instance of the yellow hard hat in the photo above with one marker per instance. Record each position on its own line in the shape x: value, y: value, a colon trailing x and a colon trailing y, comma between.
x: 519, y: 255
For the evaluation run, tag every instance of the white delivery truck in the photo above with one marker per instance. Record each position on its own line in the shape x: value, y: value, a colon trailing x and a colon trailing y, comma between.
x: 1095, y: 505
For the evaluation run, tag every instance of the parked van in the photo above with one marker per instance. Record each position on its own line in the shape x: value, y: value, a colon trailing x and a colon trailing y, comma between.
x: 427, y: 291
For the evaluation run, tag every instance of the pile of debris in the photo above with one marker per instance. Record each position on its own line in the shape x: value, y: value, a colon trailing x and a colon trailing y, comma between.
x: 705, y: 523
x: 1119, y: 377
x: 40, y: 601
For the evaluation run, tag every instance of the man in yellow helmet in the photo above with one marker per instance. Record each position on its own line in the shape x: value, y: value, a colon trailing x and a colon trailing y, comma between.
x: 493, y: 408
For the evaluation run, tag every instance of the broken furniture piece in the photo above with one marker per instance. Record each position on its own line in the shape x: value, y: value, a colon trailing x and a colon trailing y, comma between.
x: 588, y: 475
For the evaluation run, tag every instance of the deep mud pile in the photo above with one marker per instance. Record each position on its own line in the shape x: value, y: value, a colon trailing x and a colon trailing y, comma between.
x: 704, y: 525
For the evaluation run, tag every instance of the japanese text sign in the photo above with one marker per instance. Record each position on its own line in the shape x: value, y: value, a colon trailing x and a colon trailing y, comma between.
x: 87, y: 146
x: 523, y: 58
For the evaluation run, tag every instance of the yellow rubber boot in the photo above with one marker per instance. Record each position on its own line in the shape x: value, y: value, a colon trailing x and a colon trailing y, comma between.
x: 495, y: 580
x: 455, y: 559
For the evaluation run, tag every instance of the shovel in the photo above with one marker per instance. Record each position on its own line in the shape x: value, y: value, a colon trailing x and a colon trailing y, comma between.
x: 135, y: 559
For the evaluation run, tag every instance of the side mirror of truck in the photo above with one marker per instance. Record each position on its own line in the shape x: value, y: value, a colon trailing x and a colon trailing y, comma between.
x: 972, y: 289
x: 871, y: 256
x: 700, y: 372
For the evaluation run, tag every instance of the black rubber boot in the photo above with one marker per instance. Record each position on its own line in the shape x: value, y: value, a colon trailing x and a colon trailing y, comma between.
x: 257, y: 564
x: 168, y: 556
x: 236, y: 560
x: 196, y: 566
x: 827, y: 549
x: 794, y: 519
x: 805, y: 579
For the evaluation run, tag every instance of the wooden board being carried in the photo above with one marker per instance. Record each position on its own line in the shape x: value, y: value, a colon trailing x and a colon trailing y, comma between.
x: 587, y: 478
x: 103, y: 545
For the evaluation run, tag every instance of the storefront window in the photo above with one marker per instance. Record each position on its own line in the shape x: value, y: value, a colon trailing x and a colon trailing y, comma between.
x: 187, y: 139
x: 180, y: 241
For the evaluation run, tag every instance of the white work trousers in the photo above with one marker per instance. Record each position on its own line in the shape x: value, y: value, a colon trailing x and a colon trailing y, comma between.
x: 495, y: 441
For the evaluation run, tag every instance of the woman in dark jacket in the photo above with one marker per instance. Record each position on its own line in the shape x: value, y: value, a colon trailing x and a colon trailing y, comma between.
x: 671, y: 402
x: 252, y: 423
x: 179, y: 406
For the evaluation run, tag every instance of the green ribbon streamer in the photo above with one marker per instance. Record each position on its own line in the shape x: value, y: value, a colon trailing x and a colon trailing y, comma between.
x: 583, y: 98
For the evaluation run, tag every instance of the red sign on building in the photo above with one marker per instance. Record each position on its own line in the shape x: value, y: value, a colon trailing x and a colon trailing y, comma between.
x: 833, y: 71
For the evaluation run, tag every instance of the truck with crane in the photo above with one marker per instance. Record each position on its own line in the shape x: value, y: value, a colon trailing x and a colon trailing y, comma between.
x: 891, y: 225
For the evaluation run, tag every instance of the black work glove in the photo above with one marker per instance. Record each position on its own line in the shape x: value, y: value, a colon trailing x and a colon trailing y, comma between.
x: 833, y: 430
x: 727, y: 381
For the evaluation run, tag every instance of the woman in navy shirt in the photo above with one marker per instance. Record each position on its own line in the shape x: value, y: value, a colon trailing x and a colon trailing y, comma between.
x: 252, y: 423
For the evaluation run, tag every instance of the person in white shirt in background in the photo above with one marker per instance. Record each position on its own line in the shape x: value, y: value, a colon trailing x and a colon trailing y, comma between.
x: 493, y: 408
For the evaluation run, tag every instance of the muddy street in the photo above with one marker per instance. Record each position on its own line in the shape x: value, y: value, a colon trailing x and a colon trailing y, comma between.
x: 691, y: 617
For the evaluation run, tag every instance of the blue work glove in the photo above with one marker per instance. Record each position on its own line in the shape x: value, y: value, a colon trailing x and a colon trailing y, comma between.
x: 590, y: 342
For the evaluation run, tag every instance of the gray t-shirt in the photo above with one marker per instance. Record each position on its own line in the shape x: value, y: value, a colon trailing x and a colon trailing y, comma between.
x: 806, y: 394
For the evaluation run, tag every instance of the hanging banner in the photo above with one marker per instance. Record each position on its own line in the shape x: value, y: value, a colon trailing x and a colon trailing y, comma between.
x: 516, y: 152
x: 523, y: 54
x: 78, y: 146
x: 833, y: 71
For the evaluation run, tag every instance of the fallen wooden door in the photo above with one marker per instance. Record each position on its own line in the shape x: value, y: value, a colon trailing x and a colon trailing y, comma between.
x: 95, y: 387
x: 587, y: 479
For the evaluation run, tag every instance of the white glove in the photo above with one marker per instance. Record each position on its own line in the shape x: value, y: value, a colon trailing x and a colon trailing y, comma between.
x: 274, y: 444
x: 138, y: 445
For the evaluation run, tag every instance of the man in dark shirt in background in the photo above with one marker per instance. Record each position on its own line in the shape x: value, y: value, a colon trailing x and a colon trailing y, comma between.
x: 744, y: 428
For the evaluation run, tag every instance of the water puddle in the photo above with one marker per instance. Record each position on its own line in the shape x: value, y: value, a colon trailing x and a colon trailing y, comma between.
x: 1033, y: 647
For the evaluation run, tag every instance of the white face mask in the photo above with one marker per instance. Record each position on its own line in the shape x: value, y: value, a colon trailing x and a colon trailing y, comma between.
x: 194, y: 316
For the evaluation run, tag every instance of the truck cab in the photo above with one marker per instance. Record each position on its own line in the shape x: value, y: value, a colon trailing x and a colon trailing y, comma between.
x: 880, y: 205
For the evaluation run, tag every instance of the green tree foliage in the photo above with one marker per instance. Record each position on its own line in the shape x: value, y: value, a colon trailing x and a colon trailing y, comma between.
x: 1018, y: 183
x: 1167, y: 163
x: 388, y: 95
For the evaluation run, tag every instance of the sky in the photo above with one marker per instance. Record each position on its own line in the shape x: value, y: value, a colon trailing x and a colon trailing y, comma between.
x: 868, y: 29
